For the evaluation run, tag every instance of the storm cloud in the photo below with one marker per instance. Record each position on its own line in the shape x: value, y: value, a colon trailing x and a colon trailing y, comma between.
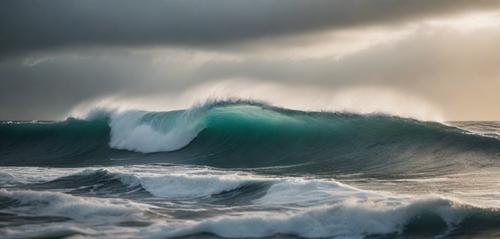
x: 56, y: 55
x: 30, y: 25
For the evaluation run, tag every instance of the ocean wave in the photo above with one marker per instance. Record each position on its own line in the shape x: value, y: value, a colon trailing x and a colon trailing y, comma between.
x: 355, y: 218
x: 187, y: 185
x: 245, y: 134
x: 149, y: 132
x: 63, y: 230
x: 309, y: 192
x: 194, y: 201
x: 46, y: 214
x: 169, y: 183
x: 153, y: 132
x: 64, y: 205
x: 179, y: 183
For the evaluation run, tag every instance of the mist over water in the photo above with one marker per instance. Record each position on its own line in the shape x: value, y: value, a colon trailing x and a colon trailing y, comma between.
x: 303, y: 97
x: 241, y: 168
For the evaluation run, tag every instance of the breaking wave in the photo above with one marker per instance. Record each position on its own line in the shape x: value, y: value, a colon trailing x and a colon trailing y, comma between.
x: 245, y: 134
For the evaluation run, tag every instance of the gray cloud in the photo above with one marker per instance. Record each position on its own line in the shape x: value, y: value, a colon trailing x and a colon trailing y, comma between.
x: 456, y: 71
x: 31, y: 25
x: 48, y: 89
x: 44, y: 72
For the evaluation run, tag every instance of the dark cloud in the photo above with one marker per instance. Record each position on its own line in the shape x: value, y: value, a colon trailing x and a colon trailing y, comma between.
x: 456, y: 71
x: 50, y: 88
x: 28, y: 25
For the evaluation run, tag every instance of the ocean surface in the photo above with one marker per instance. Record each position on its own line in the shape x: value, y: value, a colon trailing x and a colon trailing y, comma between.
x: 241, y: 169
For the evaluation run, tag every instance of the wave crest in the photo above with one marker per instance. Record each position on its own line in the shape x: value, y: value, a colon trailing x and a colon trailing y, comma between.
x: 240, y: 134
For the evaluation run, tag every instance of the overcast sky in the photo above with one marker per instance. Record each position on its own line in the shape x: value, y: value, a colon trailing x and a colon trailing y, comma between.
x: 439, y: 57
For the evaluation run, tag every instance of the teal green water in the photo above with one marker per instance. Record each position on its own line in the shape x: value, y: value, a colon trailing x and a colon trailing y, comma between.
x: 237, y: 135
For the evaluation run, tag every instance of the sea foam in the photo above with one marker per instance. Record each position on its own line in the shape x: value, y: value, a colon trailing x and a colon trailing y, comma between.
x: 130, y: 131
x: 65, y: 205
x: 185, y: 185
x: 351, y: 218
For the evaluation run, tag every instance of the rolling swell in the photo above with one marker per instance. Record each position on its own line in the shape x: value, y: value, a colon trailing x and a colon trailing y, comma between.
x: 250, y: 135
x: 316, y: 208
x: 423, y: 218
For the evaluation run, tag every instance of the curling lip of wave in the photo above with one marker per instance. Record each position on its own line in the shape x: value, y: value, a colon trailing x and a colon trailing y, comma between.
x: 149, y: 132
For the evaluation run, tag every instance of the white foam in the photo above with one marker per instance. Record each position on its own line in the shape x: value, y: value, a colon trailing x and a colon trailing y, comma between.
x: 60, y: 204
x: 307, y: 207
x: 6, y: 177
x: 351, y: 218
x: 130, y: 132
x: 62, y: 230
x: 33, y: 174
x: 343, y: 211
x: 169, y: 182
x: 184, y: 185
x: 305, y: 192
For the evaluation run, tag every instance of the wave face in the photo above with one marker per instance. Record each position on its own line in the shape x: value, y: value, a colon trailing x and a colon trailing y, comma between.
x: 239, y: 134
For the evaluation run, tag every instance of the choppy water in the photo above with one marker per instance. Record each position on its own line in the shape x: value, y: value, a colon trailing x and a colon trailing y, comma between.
x: 243, y: 169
